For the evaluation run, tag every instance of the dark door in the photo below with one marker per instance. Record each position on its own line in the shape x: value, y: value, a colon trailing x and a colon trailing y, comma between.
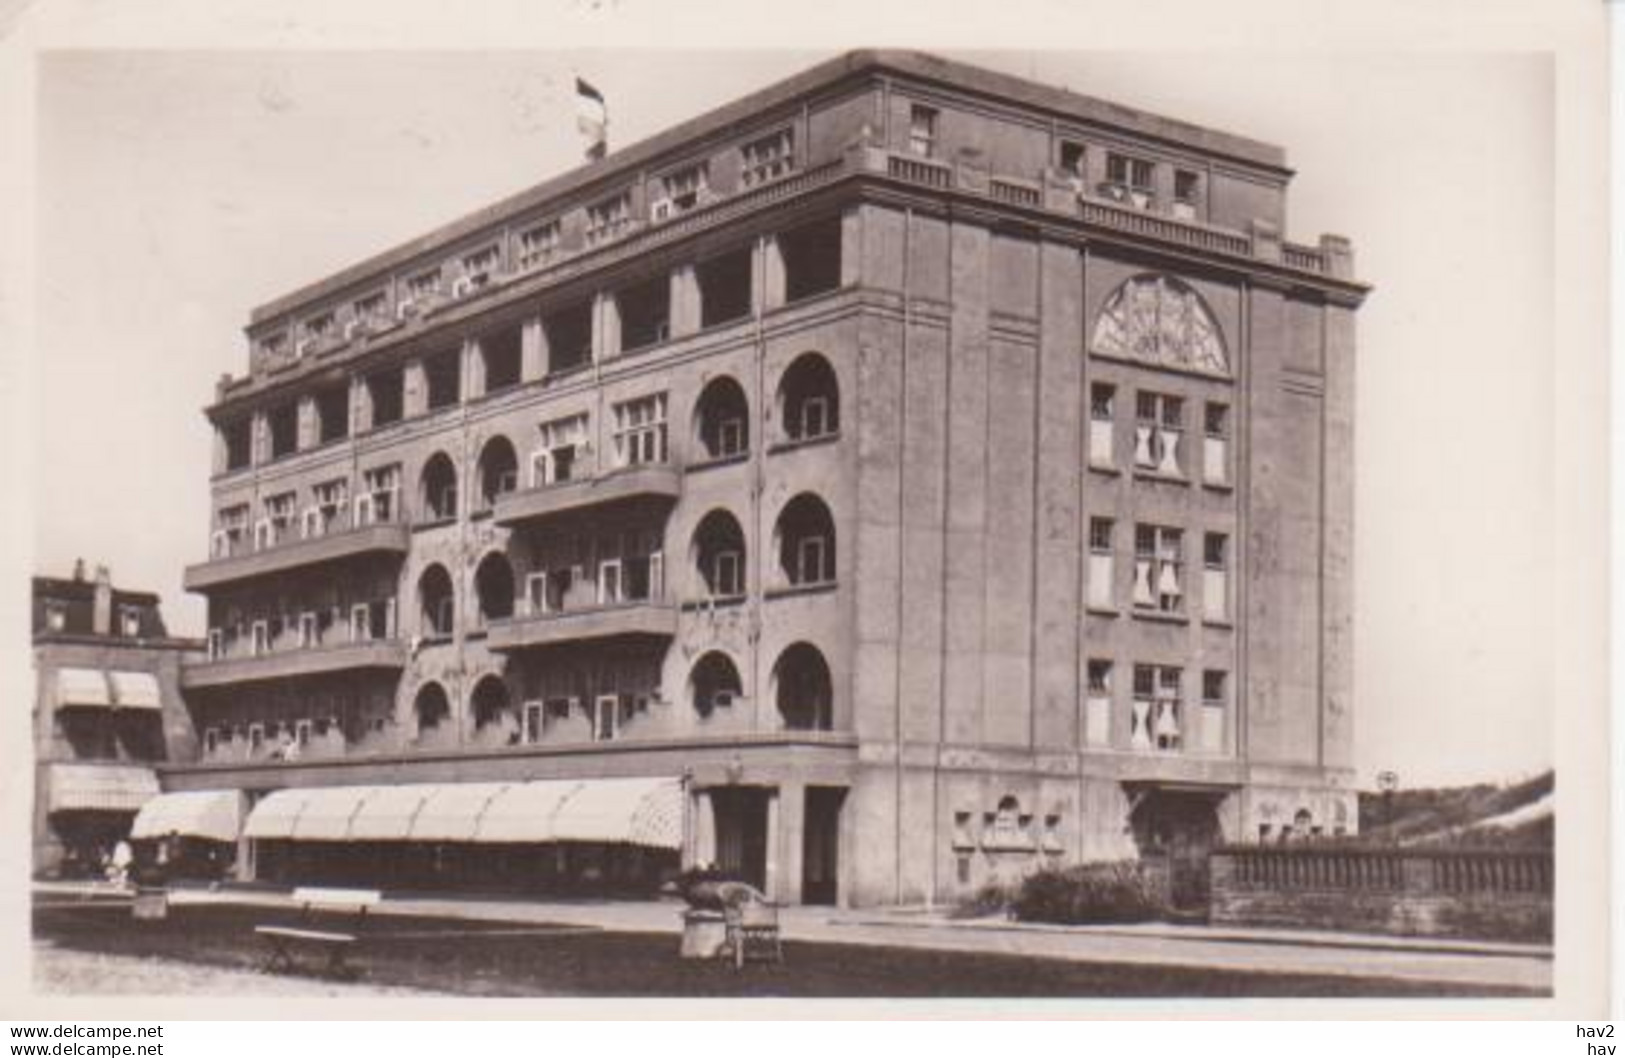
x: 1179, y: 830
x: 741, y: 814
x: 821, y: 834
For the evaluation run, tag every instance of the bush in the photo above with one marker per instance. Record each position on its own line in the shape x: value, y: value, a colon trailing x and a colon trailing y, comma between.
x: 993, y: 898
x: 1092, y: 892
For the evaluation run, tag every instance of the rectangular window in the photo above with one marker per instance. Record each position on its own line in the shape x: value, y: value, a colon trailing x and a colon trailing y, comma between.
x: 536, y: 601
x: 443, y: 378
x: 810, y: 559
x: 283, y: 421
x: 533, y: 721
x: 332, y: 502
x: 56, y: 617
x: 368, y: 313
x: 561, y: 441
x: 1159, y: 568
x: 605, y: 714
x: 1098, y: 706
x: 1102, y: 422
x: 279, y: 516
x: 309, y: 632
x: 728, y: 574
x: 211, y: 739
x: 538, y: 245
x: 680, y: 192
x: 645, y: 313
x: 1157, y: 717
x: 1215, y: 577
x: 1215, y: 700
x: 1159, y: 429
x: 767, y: 158
x: 421, y: 290
x: 1216, y: 445
x: 640, y: 431
x: 231, y: 535
x: 609, y: 219
x: 238, y: 439
x: 261, y: 642
x: 380, y: 492
x: 479, y: 268
x: 609, y: 582
x: 333, y: 412
x: 1101, y: 566
x: 725, y: 287
x: 1129, y: 180
x: 1072, y: 161
x: 922, y: 130
x: 387, y: 391
x: 1187, y: 193
x: 316, y: 330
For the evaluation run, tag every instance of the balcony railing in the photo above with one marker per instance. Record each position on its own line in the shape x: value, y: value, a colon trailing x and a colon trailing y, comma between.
x: 359, y: 655
x: 280, y: 556
x: 652, y: 481
x: 655, y: 618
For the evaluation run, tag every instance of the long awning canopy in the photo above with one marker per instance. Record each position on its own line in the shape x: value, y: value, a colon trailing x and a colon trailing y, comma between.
x: 213, y: 814
x: 99, y: 787
x: 642, y: 811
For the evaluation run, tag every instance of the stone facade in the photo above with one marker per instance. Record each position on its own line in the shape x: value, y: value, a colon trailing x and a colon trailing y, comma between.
x: 874, y: 346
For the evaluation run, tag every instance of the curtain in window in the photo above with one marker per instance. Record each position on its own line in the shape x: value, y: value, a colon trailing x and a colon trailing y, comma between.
x: 1170, y: 453
x: 1140, y: 725
x: 1142, y: 583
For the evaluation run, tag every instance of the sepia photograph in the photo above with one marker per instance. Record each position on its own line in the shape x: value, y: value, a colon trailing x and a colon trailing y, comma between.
x: 882, y: 519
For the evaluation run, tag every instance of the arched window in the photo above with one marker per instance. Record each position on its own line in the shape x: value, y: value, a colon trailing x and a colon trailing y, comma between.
x: 439, y: 484
x: 490, y: 701
x: 719, y: 554
x: 715, y: 683
x: 435, y: 597
x: 493, y: 583
x: 722, y: 419
x: 803, y: 689
x: 1156, y: 319
x: 806, y: 537
x: 809, y: 399
x: 499, y: 470
x: 431, y: 706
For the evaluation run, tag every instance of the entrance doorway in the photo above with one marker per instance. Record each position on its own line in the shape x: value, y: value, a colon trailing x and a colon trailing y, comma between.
x: 820, y: 844
x: 1177, y: 830
x: 741, y: 815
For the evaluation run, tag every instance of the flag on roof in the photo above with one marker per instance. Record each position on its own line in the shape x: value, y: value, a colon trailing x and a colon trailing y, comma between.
x: 592, y: 118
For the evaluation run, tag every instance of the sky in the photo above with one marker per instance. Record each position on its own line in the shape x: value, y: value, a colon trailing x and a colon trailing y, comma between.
x: 179, y: 189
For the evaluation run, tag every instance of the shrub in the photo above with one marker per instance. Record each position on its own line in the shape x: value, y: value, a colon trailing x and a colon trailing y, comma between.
x: 1121, y: 891
x: 993, y: 898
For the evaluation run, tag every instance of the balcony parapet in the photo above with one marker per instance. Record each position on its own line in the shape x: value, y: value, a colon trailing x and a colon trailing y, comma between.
x: 385, y: 538
x: 350, y: 657
x: 648, y: 618
x: 660, y: 481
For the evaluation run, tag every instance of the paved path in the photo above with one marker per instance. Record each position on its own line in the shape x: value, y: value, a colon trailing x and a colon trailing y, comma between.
x: 1263, y: 950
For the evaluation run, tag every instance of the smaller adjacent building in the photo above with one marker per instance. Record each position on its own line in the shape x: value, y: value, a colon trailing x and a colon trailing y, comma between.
x: 107, y: 711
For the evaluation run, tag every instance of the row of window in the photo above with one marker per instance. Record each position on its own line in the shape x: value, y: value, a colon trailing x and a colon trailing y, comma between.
x: 803, y: 693
x: 681, y: 190
x: 1128, y: 179
x: 1160, y: 576
x: 809, y: 409
x: 1158, y: 717
x: 642, y: 313
x: 1160, y: 432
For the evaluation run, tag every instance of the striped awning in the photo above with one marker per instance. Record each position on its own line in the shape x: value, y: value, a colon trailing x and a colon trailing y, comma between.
x: 136, y: 690
x: 452, y: 812
x: 100, y: 787
x: 213, y: 814
x: 275, y: 816
x: 327, y: 813
x: 81, y: 687
x: 524, y: 812
x: 644, y: 811
x: 388, y: 812
x: 623, y: 811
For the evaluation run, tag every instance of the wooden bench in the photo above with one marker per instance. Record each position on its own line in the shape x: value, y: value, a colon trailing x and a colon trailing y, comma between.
x: 285, y: 940
x: 752, y: 927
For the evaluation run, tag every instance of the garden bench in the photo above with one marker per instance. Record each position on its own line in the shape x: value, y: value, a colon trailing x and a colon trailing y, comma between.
x: 752, y: 931
x: 285, y: 940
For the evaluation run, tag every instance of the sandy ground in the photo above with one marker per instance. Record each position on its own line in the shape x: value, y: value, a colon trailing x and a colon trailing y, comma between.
x: 64, y: 972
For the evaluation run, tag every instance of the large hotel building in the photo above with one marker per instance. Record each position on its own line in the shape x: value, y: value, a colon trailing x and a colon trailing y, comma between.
x: 894, y: 480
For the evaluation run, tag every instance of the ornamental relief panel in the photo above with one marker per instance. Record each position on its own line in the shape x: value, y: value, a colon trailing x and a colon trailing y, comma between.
x: 1157, y: 320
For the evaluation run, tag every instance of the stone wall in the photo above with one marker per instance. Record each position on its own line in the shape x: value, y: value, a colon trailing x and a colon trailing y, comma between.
x: 1495, y: 894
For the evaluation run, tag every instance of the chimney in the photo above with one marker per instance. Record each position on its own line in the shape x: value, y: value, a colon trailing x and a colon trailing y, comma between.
x: 78, y: 569
x: 102, y: 618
